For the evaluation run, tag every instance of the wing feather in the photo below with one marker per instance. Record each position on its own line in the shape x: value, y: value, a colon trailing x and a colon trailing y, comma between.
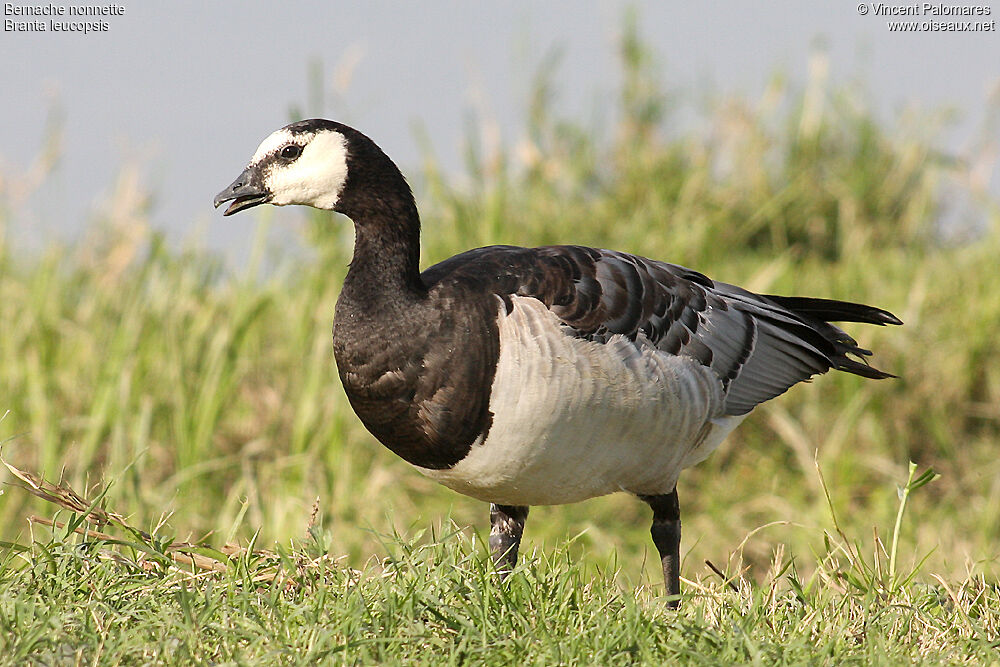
x: 759, y: 346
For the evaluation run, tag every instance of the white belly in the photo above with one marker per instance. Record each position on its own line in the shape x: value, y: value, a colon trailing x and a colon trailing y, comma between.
x: 574, y: 419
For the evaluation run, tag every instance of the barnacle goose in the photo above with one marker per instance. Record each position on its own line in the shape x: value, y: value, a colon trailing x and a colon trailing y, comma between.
x: 538, y: 376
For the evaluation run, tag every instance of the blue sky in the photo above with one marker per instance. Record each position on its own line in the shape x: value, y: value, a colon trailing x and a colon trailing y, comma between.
x: 186, y: 90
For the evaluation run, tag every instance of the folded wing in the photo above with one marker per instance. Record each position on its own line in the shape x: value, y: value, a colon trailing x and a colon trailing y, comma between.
x: 758, y: 345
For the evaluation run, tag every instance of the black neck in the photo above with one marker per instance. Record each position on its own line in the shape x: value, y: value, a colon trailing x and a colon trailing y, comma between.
x: 386, y: 258
x: 395, y: 347
x: 386, y: 262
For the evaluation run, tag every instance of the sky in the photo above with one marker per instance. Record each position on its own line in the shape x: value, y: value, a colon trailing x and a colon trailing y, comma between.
x: 180, y: 93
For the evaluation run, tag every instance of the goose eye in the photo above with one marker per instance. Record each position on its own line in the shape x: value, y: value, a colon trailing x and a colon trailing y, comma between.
x: 291, y: 151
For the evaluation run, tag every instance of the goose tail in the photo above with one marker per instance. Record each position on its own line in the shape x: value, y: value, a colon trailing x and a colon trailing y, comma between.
x: 820, y: 312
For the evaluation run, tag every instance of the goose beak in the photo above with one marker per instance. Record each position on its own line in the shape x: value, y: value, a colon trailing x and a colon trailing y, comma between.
x: 245, y: 192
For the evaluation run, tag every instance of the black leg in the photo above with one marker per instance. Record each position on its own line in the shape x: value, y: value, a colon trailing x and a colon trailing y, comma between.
x: 666, y: 532
x: 506, y: 527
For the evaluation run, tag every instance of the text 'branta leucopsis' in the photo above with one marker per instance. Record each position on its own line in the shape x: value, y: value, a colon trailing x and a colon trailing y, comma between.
x: 537, y: 376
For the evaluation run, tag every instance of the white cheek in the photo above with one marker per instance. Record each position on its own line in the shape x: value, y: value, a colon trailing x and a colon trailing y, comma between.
x: 316, y: 178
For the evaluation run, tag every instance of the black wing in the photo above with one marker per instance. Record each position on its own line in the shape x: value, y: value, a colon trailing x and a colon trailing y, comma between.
x: 759, y: 346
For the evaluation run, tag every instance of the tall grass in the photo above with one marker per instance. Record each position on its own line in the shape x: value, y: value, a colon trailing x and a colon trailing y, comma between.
x: 212, y: 396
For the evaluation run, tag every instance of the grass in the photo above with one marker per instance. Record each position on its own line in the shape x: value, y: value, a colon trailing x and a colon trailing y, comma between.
x: 203, y: 405
x: 80, y: 596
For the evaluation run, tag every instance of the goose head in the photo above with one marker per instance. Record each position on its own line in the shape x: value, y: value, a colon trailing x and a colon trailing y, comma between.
x: 302, y: 163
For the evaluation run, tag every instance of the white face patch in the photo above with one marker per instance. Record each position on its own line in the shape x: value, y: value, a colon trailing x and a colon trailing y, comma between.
x: 316, y: 178
x: 270, y: 145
